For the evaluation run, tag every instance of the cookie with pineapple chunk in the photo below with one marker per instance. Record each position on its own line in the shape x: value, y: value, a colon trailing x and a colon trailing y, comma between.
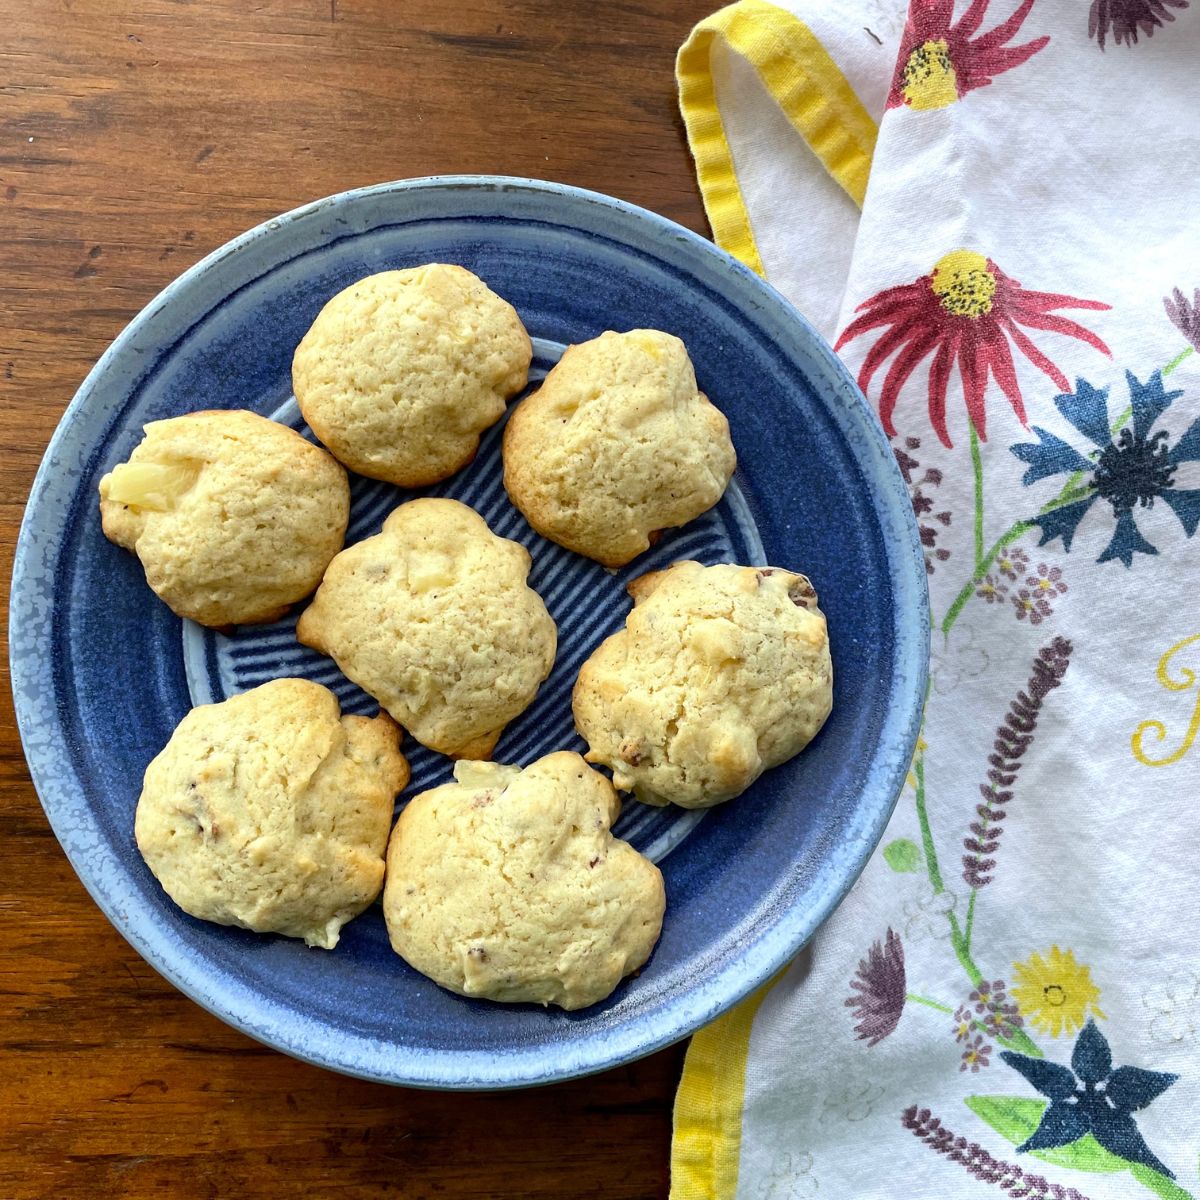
x: 270, y: 811
x: 616, y: 445
x: 402, y: 371
x: 234, y: 517
x: 719, y: 673
x: 433, y: 617
x: 508, y: 885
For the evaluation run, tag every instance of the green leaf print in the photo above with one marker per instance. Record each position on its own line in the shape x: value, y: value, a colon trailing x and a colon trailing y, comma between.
x: 1015, y: 1119
x: 903, y: 856
x: 1159, y: 1184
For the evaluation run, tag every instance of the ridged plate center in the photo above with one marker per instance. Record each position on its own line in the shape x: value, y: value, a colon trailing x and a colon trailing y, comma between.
x: 587, y: 602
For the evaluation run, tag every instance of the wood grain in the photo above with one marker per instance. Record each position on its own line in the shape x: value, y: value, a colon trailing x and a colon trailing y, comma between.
x: 134, y: 138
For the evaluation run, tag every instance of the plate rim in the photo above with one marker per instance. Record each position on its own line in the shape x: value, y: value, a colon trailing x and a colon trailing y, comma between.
x: 523, y: 1067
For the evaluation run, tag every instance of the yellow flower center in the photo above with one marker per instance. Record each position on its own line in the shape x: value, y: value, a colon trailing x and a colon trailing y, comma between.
x: 929, y: 78
x: 1054, y: 995
x: 964, y: 284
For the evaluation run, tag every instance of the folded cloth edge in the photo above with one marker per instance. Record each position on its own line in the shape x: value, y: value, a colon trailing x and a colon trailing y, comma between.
x: 803, y: 79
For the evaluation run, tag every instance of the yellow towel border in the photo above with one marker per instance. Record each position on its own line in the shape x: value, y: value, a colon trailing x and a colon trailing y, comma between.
x: 822, y: 107
x: 814, y: 95
x: 707, y: 1141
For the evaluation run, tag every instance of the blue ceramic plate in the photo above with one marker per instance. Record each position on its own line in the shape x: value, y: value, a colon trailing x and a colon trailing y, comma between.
x: 102, y: 671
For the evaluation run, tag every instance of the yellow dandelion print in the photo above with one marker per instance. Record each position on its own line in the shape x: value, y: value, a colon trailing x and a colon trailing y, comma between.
x: 1055, y: 993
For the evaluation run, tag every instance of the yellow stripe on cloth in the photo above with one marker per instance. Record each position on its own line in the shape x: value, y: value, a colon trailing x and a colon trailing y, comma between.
x: 822, y: 107
x: 708, y: 1108
x: 807, y: 85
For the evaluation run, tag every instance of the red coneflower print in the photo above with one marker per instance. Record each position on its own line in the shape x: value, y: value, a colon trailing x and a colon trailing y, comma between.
x: 967, y: 309
x: 940, y: 62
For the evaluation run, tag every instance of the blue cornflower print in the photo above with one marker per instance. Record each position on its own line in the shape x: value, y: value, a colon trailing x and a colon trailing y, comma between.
x: 1131, y: 468
x: 1092, y: 1097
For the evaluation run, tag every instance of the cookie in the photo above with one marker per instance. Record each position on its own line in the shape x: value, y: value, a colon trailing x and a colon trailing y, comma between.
x: 616, y: 445
x: 270, y: 812
x: 719, y: 673
x: 401, y: 372
x: 507, y: 885
x: 233, y: 517
x: 433, y: 618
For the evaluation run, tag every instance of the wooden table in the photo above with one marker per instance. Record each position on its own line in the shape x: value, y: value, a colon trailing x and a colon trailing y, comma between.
x: 138, y: 136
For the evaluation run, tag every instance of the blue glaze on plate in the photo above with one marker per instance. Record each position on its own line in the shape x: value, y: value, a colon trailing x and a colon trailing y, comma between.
x: 102, y: 671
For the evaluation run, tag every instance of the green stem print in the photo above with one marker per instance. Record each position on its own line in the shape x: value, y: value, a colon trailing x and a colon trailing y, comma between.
x: 983, y: 837
x: 962, y: 951
x: 913, y: 998
x: 960, y: 941
x: 1177, y: 360
x: 1009, y: 536
x: 977, y: 473
x: 931, y: 860
x: 988, y: 1020
x: 967, y: 1022
x: 1074, y: 489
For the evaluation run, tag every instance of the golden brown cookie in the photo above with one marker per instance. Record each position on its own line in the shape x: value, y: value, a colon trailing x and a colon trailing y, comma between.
x: 434, y: 618
x: 402, y: 371
x: 719, y: 673
x: 617, y: 444
x: 233, y: 517
x: 507, y: 885
x: 271, y: 812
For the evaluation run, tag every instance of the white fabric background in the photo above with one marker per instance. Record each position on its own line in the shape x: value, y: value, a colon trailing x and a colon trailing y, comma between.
x: 1077, y: 173
x: 804, y: 223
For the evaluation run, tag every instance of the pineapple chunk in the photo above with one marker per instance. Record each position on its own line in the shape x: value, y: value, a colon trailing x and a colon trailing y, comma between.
x: 156, y: 487
x: 429, y: 571
x: 484, y: 774
x: 717, y: 640
x: 649, y: 343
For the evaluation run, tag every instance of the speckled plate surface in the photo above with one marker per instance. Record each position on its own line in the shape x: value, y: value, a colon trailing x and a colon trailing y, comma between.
x: 102, y: 671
